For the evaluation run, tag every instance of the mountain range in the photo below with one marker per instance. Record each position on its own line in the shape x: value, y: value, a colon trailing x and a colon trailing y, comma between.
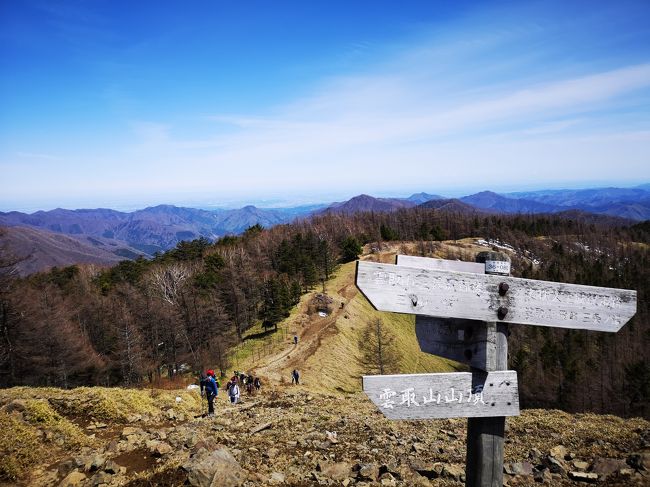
x: 61, y: 236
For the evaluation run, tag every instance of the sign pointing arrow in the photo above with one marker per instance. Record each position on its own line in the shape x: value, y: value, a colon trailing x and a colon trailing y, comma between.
x: 449, y: 294
x: 449, y: 395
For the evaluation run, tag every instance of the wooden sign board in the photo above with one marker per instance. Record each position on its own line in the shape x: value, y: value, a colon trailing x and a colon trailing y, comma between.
x: 465, y: 341
x: 448, y: 294
x: 452, y: 395
x: 440, y: 264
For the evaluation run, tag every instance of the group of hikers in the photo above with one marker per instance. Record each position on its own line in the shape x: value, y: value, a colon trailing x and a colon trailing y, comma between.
x: 210, y: 386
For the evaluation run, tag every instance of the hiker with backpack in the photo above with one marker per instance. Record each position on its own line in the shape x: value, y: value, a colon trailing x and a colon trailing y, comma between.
x: 257, y: 383
x: 295, y: 377
x: 233, y: 392
x: 211, y: 391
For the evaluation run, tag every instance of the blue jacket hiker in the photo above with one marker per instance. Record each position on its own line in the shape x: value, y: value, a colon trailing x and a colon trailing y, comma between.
x: 211, y: 391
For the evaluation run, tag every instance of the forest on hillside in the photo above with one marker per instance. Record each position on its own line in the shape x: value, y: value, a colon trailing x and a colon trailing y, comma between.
x: 139, y: 320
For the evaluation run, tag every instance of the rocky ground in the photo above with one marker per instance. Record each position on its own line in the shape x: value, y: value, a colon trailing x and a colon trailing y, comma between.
x: 291, y: 436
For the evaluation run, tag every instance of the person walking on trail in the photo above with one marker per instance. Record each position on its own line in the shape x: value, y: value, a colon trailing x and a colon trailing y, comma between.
x: 295, y: 339
x: 295, y: 377
x: 258, y: 383
x: 211, y: 391
x: 203, y: 378
x: 233, y: 393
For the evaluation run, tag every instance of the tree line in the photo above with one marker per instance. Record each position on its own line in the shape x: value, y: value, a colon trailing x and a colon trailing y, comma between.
x: 142, y: 319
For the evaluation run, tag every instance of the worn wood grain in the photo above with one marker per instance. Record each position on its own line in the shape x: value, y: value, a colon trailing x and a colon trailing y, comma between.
x: 449, y: 294
x: 450, y: 395
x: 464, y: 341
x: 440, y: 264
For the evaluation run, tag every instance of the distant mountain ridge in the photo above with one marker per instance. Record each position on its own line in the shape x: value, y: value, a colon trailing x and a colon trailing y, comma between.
x: 149, y: 230
x: 111, y: 235
x: 365, y: 202
x: 492, y: 201
x: 419, y: 198
x: 452, y: 205
x: 37, y: 249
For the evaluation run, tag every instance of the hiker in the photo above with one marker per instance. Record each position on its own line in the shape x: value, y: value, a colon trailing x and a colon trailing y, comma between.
x: 211, y: 391
x: 295, y: 377
x: 202, y: 380
x: 295, y: 339
x: 233, y: 393
x: 258, y: 383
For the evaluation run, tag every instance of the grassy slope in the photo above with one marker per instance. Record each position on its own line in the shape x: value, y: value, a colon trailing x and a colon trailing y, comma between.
x: 34, y: 417
x: 328, y: 353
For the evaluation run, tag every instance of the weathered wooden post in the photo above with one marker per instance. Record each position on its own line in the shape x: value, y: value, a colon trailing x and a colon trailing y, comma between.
x: 485, y: 436
x: 462, y: 313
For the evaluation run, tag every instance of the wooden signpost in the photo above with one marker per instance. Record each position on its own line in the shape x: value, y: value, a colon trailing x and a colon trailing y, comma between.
x: 483, y: 297
x: 462, y: 313
x: 451, y: 395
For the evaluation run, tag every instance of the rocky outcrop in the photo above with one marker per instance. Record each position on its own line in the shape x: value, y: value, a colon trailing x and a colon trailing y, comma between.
x: 217, y: 468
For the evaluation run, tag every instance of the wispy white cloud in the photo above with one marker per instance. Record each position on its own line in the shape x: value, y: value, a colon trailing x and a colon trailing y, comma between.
x: 369, y: 126
x: 38, y: 156
x: 442, y: 111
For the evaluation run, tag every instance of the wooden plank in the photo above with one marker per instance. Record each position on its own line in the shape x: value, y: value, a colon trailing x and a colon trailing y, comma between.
x: 449, y: 294
x: 461, y: 340
x: 484, y: 463
x: 452, y: 395
x: 440, y: 264
x: 464, y: 341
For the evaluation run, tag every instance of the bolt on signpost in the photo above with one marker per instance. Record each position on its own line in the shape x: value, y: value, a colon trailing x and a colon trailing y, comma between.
x: 462, y: 313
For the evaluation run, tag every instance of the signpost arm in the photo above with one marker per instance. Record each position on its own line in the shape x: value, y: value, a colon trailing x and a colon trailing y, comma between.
x: 485, y: 436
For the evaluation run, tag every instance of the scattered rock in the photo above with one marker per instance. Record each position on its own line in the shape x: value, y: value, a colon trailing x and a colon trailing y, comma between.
x: 261, y: 427
x: 131, y: 434
x: 271, y: 453
x: 111, y: 467
x: 607, y: 466
x: 336, y: 471
x: 589, y: 477
x: 639, y: 460
x: 535, y: 456
x: 543, y: 476
x: 428, y: 470
x: 101, y: 478
x: 332, y: 437
x: 558, y: 452
x: 73, y: 479
x: 555, y: 465
x: 161, y: 449
x: 67, y: 466
x: 456, y: 472
x: 450, y: 434
x: 277, y: 478
x: 518, y: 468
x: 216, y: 468
x: 418, y: 447
x: 191, y: 441
x: 96, y: 463
x: 368, y: 471
x: 626, y: 472
x: 580, y: 465
x: 19, y: 405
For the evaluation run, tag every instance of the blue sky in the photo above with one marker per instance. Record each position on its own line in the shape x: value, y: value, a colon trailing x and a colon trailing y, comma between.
x: 125, y: 104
